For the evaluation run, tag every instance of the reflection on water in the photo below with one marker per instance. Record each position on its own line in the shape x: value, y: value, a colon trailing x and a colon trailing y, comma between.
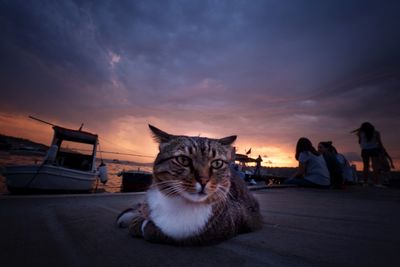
x: 114, y: 181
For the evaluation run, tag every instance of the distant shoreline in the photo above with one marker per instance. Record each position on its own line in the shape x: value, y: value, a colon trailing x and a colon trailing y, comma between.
x: 25, y: 147
x: 12, y: 143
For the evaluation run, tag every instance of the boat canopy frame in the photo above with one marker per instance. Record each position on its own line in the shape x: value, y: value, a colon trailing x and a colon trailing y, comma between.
x: 74, y: 135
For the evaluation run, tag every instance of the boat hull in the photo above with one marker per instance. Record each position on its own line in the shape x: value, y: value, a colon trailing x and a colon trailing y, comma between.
x: 31, y: 178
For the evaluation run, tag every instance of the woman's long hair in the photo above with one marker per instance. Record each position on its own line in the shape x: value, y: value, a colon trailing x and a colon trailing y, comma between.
x: 329, y: 146
x: 304, y: 144
x: 367, y: 128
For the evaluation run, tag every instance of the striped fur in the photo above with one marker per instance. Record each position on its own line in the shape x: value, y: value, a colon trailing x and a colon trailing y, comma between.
x: 195, y: 198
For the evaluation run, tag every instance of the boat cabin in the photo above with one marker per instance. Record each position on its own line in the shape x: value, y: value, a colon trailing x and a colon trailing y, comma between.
x: 74, y: 149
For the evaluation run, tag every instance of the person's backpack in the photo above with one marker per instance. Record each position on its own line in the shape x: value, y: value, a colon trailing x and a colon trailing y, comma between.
x: 335, y: 170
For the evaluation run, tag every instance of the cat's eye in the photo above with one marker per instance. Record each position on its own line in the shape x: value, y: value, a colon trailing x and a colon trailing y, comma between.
x: 183, y: 160
x: 217, y: 164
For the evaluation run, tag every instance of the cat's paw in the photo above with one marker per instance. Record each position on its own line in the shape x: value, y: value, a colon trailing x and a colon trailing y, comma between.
x: 144, y: 210
x: 125, y: 217
x: 137, y: 226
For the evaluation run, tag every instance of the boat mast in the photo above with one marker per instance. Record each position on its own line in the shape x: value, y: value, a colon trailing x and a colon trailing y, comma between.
x: 42, y: 121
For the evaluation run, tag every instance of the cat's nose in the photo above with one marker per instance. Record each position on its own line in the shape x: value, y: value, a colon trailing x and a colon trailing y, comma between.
x: 203, y: 181
x: 201, y: 184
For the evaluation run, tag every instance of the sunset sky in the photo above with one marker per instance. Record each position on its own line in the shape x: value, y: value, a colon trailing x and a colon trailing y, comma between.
x: 267, y: 71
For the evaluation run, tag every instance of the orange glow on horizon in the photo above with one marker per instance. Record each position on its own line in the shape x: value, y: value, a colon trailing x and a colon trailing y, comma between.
x: 272, y: 155
x: 24, y: 127
x: 131, y: 135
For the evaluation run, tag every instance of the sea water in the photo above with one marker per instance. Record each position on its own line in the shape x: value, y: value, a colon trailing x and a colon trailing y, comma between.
x: 113, y: 184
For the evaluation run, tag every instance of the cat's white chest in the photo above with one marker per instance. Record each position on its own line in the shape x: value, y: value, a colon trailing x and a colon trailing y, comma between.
x: 175, y: 216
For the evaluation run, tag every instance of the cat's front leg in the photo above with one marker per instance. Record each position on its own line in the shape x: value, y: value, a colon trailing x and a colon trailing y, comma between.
x: 135, y: 228
x: 141, y: 227
x: 125, y: 218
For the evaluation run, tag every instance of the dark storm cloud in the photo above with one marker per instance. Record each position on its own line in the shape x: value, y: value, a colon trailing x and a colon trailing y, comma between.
x: 275, y: 65
x: 49, y: 60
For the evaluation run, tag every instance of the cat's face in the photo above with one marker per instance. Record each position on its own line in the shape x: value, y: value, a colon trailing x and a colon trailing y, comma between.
x: 195, y: 168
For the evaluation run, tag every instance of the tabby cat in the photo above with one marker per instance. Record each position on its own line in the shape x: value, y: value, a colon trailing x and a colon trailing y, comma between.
x: 195, y: 198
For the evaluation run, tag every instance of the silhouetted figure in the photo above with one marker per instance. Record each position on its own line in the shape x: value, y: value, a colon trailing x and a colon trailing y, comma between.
x: 371, y: 150
x: 386, y: 163
x: 257, y: 170
x: 312, y: 170
x: 329, y: 153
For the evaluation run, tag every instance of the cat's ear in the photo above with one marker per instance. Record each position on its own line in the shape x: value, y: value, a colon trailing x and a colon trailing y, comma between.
x: 160, y: 136
x: 226, y: 141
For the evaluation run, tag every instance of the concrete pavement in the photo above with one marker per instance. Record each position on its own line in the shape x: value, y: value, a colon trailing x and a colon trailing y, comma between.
x: 303, y: 227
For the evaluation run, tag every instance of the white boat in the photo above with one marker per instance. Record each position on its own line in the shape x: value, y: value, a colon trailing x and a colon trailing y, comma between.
x: 68, y: 166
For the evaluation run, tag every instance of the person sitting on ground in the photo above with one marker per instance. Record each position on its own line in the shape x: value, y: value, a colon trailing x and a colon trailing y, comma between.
x: 348, y: 172
x: 329, y: 153
x: 312, y: 170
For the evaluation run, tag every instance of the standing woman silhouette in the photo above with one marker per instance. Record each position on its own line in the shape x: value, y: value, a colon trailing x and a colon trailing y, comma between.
x: 371, y: 147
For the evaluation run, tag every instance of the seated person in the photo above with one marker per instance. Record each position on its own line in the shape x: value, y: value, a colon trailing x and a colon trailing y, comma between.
x: 335, y: 168
x: 312, y: 170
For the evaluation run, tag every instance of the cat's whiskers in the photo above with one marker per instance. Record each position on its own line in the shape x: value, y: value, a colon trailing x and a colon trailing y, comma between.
x: 173, y: 190
x: 219, y: 198
x: 222, y: 196
x: 167, y: 183
x: 190, y: 187
x: 218, y: 206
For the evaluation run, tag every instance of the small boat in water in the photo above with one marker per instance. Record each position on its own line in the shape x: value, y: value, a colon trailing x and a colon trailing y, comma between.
x: 69, y: 166
x: 135, y: 181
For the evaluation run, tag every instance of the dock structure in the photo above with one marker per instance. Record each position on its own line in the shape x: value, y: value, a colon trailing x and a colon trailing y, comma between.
x: 303, y: 227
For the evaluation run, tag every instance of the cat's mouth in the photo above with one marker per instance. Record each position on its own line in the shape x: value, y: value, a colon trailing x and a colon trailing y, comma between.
x: 196, y: 197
